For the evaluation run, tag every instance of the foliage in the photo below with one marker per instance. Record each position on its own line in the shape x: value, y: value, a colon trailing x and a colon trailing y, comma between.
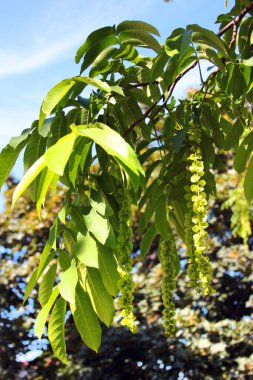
x: 95, y: 145
x: 213, y: 334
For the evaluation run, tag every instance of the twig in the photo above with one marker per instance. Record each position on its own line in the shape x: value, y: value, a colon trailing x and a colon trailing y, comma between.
x: 233, y: 36
x: 232, y: 24
x: 143, y: 117
x: 236, y: 20
x: 200, y: 72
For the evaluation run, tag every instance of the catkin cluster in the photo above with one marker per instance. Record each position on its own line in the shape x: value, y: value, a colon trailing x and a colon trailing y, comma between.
x: 124, y: 249
x: 199, y: 269
x: 167, y: 254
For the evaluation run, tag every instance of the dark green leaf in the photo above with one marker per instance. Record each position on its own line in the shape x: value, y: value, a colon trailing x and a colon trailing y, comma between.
x: 46, y: 285
x: 147, y: 240
x: 248, y: 182
x: 56, y: 333
x: 108, y: 269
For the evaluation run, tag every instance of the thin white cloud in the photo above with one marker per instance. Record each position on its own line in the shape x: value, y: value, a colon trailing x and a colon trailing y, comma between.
x: 68, y: 31
x: 14, y: 63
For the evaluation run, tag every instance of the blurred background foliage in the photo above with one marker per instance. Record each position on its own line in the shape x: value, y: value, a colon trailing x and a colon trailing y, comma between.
x: 214, y: 334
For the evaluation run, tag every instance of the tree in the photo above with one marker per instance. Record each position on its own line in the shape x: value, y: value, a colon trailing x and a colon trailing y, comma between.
x: 214, y: 334
x: 100, y: 149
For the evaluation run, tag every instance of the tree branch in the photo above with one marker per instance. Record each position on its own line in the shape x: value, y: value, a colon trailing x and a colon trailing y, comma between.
x: 236, y: 20
x: 232, y: 24
x: 233, y: 36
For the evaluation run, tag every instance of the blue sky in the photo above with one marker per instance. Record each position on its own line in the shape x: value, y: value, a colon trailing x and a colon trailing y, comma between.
x: 38, y: 41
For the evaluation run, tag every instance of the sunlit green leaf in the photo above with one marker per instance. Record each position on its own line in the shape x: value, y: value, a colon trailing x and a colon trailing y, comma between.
x: 86, y: 250
x: 68, y: 283
x: 54, y: 96
x: 101, y: 301
x: 100, y: 227
x: 28, y: 178
x: 42, y: 316
x: 55, y: 160
x: 116, y: 146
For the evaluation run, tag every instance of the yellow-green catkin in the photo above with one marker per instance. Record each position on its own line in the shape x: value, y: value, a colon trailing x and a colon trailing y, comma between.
x: 240, y: 220
x: 199, y: 268
x: 167, y: 252
x: 125, y: 262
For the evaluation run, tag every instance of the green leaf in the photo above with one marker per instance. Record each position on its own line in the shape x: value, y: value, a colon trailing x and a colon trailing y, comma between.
x: 104, y: 56
x: 105, y: 181
x: 140, y: 96
x: 33, y: 151
x: 16, y: 141
x: 108, y: 269
x: 86, y: 320
x: 46, y: 285
x: 161, y: 217
x: 100, y: 228
x: 147, y: 240
x: 55, y: 159
x: 8, y: 157
x: 28, y: 178
x: 243, y: 153
x: 44, y: 184
x: 127, y: 26
x: 68, y: 283
x: 100, y: 45
x: 138, y: 38
x: 94, y: 82
x: 115, y: 146
x: 56, y: 333
x: 209, y: 38
x: 100, y: 35
x: 101, y: 301
x: 247, y: 62
x: 42, y: 316
x: 244, y: 37
x: 86, y: 154
x: 64, y: 260
x: 86, y: 250
x: 248, y: 182
x: 178, y: 42
x: 75, y: 159
x: 58, y: 129
x: 69, y: 238
x: 211, y: 54
x: 100, y: 204
x: 234, y: 134
x: 159, y: 64
x: 45, y: 258
x: 78, y: 219
x: 210, y: 121
x: 46, y: 127
x: 54, y: 96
